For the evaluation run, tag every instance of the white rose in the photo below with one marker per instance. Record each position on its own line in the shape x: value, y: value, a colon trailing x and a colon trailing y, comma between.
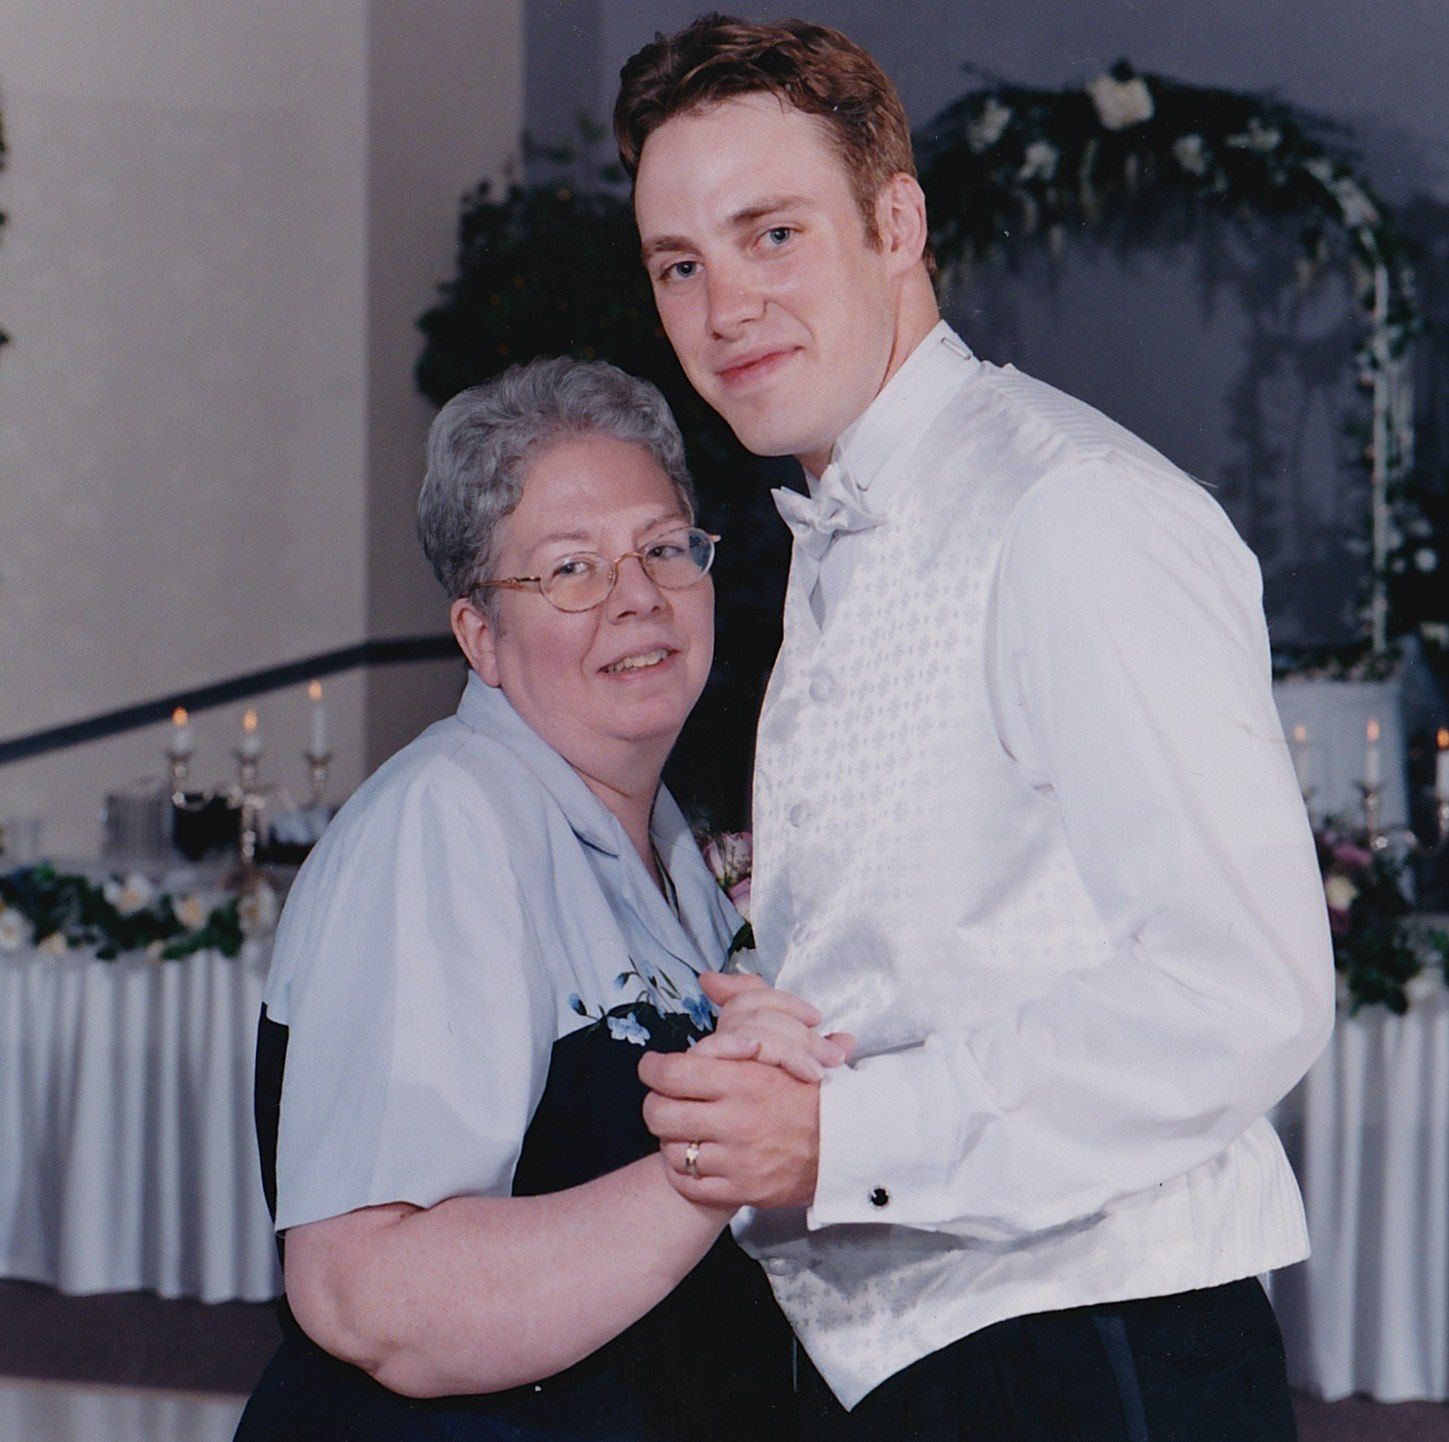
x: 14, y: 930
x: 1425, y: 558
x: 1357, y: 209
x: 133, y: 894
x: 1258, y: 136
x: 191, y: 912
x: 1121, y: 103
x: 1040, y: 161
x: 257, y: 910
x: 1191, y: 154
x: 154, y: 950
x: 1339, y: 892
x: 988, y: 127
x: 54, y: 944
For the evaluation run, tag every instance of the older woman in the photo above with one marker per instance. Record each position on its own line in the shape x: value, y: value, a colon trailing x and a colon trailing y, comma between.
x: 481, y: 1240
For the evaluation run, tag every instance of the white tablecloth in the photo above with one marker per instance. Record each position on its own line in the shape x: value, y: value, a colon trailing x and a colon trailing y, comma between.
x: 128, y: 1159
x: 1368, y: 1134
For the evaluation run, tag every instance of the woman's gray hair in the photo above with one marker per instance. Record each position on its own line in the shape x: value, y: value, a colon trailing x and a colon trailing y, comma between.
x: 483, y: 441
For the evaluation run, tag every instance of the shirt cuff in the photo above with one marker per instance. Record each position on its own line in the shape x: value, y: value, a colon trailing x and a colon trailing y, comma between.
x: 889, y: 1141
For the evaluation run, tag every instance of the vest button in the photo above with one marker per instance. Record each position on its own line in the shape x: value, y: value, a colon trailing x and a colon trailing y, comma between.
x: 800, y: 813
x: 823, y: 689
x: 879, y: 1197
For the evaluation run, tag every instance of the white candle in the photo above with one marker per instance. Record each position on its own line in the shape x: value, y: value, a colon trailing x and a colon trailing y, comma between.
x: 180, y: 746
x: 319, y: 719
x: 251, y: 742
x: 1372, y: 773
x: 1441, y: 766
x: 1300, y: 757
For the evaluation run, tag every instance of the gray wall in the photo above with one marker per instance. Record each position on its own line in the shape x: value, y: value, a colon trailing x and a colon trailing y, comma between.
x: 224, y: 221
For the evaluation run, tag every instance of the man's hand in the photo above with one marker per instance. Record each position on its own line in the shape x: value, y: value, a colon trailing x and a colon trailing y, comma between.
x: 757, y: 1129
x: 757, y: 1022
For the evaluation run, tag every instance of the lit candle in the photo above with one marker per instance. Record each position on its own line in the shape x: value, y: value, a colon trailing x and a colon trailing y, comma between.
x: 1441, y: 766
x: 319, y: 719
x: 180, y: 745
x: 251, y: 742
x: 1300, y: 757
x: 1372, y: 774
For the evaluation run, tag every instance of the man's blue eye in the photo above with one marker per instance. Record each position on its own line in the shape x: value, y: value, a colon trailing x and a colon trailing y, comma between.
x: 779, y: 234
x: 682, y: 269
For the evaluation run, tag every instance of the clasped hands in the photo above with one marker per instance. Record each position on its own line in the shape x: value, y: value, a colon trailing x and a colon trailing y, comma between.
x: 744, y: 1103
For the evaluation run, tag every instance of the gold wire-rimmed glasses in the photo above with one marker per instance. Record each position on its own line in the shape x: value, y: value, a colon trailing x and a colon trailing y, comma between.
x: 582, y: 580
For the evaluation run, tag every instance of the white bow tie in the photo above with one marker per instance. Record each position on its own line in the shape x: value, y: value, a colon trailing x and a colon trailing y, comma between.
x: 837, y: 508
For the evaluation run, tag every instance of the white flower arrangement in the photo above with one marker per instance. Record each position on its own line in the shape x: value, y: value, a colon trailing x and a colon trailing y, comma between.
x: 1190, y: 152
x: 257, y: 909
x: 1040, y: 161
x: 122, y: 915
x: 1357, y: 209
x: 1259, y: 137
x: 15, y: 932
x: 989, y: 125
x: 135, y: 893
x: 1121, y: 102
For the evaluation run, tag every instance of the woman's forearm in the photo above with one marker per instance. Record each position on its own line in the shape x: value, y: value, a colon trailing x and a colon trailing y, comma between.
x: 477, y: 1294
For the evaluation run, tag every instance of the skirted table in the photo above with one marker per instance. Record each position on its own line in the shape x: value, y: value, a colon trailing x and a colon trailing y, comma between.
x: 128, y: 1158
x: 1367, y: 1132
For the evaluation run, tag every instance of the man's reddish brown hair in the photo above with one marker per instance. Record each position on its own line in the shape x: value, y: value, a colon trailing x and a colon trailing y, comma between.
x: 811, y: 68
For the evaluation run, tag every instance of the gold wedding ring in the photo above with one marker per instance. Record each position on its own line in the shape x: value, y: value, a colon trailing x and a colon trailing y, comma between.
x: 691, y: 1160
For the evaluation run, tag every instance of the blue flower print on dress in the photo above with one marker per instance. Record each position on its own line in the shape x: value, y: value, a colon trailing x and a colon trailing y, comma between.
x: 661, y: 1012
x: 628, y: 1028
x: 701, y: 1011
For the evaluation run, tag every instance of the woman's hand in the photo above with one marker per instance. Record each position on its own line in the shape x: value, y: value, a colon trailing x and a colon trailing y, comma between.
x: 758, y: 1023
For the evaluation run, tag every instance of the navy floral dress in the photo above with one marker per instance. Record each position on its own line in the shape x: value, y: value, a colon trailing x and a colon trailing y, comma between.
x: 711, y: 1361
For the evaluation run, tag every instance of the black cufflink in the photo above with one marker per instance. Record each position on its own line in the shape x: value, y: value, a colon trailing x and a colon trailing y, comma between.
x: 879, y: 1197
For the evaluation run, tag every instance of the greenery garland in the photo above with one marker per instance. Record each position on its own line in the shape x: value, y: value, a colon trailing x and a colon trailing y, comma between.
x: 1008, y: 163
x: 59, y: 912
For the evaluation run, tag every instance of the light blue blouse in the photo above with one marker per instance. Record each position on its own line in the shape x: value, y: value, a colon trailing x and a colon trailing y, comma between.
x: 471, y: 904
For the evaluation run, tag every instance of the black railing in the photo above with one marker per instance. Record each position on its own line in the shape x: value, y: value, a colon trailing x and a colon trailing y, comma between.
x: 222, y: 693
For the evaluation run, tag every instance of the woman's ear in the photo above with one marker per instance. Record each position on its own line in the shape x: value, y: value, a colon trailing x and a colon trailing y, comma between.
x: 475, y: 635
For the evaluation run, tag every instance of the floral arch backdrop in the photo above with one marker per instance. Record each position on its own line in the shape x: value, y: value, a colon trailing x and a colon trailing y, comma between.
x: 550, y: 266
x: 1008, y: 164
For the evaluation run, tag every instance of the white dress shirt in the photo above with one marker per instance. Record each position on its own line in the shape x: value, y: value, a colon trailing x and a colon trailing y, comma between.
x: 1026, y: 825
x: 462, y: 907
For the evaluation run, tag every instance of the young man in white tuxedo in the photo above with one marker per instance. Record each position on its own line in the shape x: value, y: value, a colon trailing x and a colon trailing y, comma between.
x: 1025, y: 823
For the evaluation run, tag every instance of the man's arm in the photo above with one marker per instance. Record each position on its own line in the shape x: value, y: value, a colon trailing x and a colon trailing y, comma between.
x: 1129, y: 671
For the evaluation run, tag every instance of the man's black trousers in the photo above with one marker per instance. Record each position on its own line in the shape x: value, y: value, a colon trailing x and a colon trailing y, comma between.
x: 1202, y: 1366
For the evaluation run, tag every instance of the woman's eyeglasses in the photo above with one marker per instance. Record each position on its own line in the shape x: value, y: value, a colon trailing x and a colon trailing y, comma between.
x: 583, y: 580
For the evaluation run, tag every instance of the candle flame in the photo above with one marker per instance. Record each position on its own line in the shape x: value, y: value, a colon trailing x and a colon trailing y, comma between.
x: 1443, y: 738
x: 179, y: 716
x: 1373, y: 729
x: 314, y: 690
x: 249, y: 721
x: 1300, y: 733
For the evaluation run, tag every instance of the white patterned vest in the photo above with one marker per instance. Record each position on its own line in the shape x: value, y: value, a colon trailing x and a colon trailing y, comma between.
x: 907, y: 877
